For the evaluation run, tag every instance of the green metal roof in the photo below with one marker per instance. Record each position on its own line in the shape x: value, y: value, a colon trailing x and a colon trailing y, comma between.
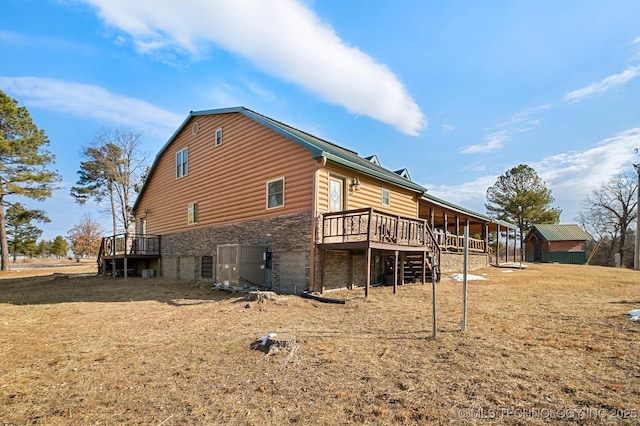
x: 332, y: 152
x: 321, y: 148
x: 561, y: 232
x: 317, y: 146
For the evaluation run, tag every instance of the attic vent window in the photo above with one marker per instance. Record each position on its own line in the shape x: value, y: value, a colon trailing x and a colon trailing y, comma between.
x: 219, y: 137
x: 194, y: 128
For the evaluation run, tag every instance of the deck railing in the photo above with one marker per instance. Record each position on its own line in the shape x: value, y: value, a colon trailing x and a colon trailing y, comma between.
x: 130, y: 245
x: 376, y: 226
x: 451, y: 242
x: 373, y: 225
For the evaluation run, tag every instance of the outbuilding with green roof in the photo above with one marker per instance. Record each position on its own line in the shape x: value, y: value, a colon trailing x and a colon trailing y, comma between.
x: 556, y: 244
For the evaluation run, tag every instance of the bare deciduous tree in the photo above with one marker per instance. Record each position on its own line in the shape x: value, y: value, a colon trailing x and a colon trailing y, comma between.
x: 608, y: 212
x: 113, y: 169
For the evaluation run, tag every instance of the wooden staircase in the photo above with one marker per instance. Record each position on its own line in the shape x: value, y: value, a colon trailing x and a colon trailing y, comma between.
x: 412, y: 268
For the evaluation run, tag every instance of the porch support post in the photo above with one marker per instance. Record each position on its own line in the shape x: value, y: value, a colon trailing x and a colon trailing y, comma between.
x: 323, y: 266
x: 506, y: 246
x: 432, y: 215
x: 485, y: 237
x: 126, y: 251
x: 424, y: 267
x: 446, y: 229
x: 395, y: 272
x: 368, y: 280
x: 497, y: 244
x: 402, y: 259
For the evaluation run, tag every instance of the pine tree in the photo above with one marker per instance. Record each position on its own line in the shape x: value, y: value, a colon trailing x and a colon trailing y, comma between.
x: 22, y: 235
x: 24, y: 162
x: 113, y: 168
x: 59, y: 246
x: 519, y: 196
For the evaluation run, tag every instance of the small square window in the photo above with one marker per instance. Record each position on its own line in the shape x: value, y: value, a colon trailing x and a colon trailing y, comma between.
x: 386, y: 197
x: 192, y: 213
x: 219, y: 137
x: 275, y: 193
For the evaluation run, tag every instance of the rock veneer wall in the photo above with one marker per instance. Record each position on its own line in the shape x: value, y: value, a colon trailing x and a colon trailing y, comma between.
x: 287, y: 237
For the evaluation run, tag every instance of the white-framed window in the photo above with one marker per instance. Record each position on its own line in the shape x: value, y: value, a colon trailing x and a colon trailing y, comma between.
x: 219, y: 136
x: 192, y: 213
x: 275, y: 193
x: 182, y: 163
x: 385, y: 197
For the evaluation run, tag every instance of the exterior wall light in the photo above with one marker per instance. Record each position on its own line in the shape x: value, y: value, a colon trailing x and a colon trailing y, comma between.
x: 355, y: 184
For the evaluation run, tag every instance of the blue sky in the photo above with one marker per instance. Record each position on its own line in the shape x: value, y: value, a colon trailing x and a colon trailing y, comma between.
x: 457, y: 92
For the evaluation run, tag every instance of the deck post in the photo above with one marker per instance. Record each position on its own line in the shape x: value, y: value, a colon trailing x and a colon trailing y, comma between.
x: 401, y: 266
x: 395, y: 272
x: 424, y: 267
x: 368, y: 280
x: 323, y: 266
x: 126, y: 250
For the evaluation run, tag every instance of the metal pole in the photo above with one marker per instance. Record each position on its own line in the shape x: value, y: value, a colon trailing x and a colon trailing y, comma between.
x: 636, y: 252
x: 464, y: 278
x: 433, y: 290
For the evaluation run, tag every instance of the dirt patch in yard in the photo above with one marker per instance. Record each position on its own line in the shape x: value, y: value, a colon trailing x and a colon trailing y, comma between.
x: 549, y: 341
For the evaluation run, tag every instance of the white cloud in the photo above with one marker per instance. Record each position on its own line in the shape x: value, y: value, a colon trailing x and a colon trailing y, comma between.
x: 446, y: 128
x: 583, y: 171
x: 491, y: 142
x: 604, y: 85
x: 471, y: 195
x: 284, y: 38
x: 90, y: 101
x: 571, y: 176
x: 519, y: 122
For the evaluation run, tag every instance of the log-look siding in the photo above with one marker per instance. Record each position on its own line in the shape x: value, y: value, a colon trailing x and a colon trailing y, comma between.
x: 402, y: 202
x: 227, y: 181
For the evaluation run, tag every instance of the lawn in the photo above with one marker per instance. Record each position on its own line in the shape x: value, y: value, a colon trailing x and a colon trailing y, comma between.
x: 544, y: 343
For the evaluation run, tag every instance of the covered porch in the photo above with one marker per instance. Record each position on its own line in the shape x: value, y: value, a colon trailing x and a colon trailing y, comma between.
x: 449, y: 220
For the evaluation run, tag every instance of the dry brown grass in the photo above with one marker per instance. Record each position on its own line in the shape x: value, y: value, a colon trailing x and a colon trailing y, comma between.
x: 551, y: 340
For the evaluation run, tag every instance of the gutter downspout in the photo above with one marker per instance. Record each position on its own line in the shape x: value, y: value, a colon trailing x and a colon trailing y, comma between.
x: 314, y: 225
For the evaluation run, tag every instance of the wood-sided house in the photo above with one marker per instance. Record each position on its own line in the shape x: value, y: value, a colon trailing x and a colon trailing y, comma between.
x: 241, y: 199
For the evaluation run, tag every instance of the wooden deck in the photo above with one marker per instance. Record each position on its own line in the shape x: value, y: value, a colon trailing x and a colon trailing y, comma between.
x: 371, y: 228
x: 122, y: 253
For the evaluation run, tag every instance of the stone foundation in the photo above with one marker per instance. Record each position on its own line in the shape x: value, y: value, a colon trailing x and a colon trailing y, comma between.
x: 454, y: 262
x: 288, y: 238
